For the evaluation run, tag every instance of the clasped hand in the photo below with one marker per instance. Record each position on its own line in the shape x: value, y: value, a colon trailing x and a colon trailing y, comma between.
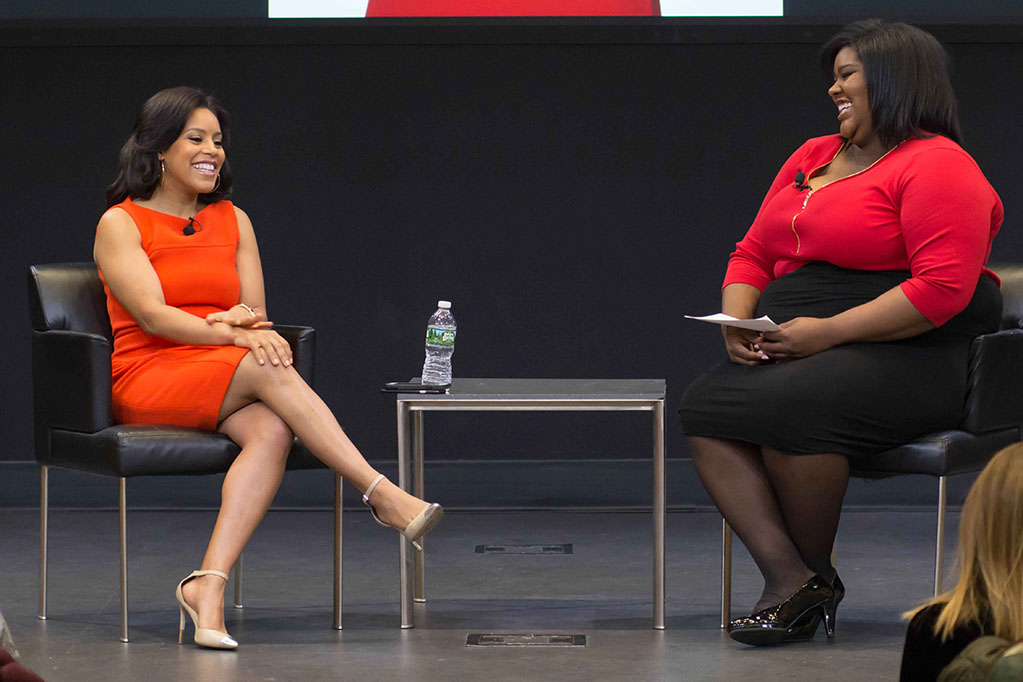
x: 255, y: 333
x: 239, y: 316
x: 797, y: 338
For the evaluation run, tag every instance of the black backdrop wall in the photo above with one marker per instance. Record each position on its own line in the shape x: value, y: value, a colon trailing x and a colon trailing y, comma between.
x: 573, y: 193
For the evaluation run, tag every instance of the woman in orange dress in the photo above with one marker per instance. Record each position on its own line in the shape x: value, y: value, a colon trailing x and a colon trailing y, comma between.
x: 192, y: 342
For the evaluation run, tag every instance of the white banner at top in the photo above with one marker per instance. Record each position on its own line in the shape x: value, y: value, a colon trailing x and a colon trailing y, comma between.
x: 316, y: 9
x: 722, y: 8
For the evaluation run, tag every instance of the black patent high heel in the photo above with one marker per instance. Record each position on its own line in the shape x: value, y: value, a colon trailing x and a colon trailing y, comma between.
x: 771, y: 625
x: 806, y: 627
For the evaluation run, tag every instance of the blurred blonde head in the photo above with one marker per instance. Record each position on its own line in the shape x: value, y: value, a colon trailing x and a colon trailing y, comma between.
x: 990, y: 586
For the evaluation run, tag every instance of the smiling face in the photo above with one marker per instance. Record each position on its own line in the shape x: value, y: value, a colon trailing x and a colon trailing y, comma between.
x: 192, y: 163
x: 849, y: 92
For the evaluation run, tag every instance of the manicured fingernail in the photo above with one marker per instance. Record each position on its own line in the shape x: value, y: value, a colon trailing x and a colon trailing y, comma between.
x: 274, y: 361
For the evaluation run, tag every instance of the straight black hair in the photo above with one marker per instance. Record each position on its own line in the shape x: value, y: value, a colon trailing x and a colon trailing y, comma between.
x: 908, y: 83
x: 158, y: 124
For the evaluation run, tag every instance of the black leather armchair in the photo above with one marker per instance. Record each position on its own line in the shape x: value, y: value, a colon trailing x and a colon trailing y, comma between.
x: 992, y: 420
x: 71, y: 376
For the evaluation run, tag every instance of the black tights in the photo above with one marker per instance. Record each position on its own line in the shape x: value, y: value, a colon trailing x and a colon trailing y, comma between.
x: 784, y: 508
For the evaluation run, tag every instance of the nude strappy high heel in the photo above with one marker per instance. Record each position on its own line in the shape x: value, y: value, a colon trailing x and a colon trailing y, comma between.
x: 214, y: 639
x: 424, y: 522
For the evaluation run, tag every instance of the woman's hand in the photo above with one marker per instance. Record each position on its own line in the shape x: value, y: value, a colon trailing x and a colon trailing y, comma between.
x: 743, y: 346
x: 266, y: 345
x: 240, y: 316
x: 800, y: 337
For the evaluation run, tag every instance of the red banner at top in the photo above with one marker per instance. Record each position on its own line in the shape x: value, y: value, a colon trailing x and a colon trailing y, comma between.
x: 513, y: 8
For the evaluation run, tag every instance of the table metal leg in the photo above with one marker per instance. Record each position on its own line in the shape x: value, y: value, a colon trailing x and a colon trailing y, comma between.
x: 419, y: 588
x: 659, y: 508
x: 405, y: 567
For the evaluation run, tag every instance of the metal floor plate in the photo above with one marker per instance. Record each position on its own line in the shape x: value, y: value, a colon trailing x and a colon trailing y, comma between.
x: 524, y: 549
x: 523, y: 639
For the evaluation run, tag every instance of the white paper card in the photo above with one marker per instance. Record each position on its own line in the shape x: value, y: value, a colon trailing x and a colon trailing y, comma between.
x: 761, y: 324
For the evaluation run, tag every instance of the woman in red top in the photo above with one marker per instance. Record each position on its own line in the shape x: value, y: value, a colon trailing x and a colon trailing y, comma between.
x: 193, y: 345
x: 869, y: 250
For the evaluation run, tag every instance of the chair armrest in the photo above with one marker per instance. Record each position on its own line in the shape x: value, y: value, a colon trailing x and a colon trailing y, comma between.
x: 70, y: 384
x: 303, y: 348
x: 994, y: 394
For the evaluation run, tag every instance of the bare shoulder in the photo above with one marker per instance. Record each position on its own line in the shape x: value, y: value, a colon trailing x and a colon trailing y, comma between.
x: 244, y: 224
x: 117, y: 225
x: 242, y: 216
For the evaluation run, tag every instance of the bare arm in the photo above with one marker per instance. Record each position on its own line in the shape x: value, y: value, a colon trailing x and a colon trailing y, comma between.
x: 740, y: 300
x: 132, y: 280
x: 889, y: 317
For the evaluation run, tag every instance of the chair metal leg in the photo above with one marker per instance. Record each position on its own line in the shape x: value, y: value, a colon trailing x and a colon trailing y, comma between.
x: 123, y: 507
x: 337, y: 551
x: 939, y: 546
x: 726, y: 573
x: 238, y: 603
x: 44, y: 512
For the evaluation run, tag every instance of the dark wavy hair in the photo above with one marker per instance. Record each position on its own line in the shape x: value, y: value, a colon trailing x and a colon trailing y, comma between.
x: 158, y: 124
x: 908, y: 83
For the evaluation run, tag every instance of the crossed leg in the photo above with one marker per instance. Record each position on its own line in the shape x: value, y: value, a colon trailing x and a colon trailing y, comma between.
x: 263, y: 407
x: 810, y: 490
x: 784, y: 508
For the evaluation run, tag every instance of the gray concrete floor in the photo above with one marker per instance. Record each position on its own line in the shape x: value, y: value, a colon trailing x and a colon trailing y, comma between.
x: 603, y: 590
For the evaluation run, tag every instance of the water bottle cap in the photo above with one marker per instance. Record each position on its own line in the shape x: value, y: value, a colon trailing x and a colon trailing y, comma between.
x: 444, y: 305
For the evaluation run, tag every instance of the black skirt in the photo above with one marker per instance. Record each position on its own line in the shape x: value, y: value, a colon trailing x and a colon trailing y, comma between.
x: 855, y: 400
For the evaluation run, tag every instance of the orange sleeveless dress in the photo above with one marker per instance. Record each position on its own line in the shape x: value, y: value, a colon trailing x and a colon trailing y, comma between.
x: 157, y: 381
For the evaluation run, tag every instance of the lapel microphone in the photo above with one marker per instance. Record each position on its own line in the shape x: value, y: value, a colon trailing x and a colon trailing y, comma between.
x: 800, y: 183
x: 190, y: 228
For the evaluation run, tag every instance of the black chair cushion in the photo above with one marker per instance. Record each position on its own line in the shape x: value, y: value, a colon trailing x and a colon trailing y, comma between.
x: 944, y: 453
x: 142, y: 450
x: 154, y: 450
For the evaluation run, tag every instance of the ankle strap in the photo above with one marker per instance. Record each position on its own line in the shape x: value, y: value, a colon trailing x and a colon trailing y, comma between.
x: 210, y: 571
x: 371, y: 488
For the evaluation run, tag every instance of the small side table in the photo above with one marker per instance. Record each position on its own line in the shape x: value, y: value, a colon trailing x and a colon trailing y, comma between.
x: 518, y: 395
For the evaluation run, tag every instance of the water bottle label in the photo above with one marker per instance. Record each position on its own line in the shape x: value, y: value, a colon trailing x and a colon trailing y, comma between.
x: 439, y: 336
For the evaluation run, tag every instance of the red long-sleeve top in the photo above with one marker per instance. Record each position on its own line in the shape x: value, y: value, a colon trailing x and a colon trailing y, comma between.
x: 924, y: 207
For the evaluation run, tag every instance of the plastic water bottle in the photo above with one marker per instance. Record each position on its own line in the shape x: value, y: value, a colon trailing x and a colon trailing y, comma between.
x: 440, y: 344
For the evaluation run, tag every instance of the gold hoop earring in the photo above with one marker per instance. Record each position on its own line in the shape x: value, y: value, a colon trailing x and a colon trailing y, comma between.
x: 216, y: 185
x: 162, y: 168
